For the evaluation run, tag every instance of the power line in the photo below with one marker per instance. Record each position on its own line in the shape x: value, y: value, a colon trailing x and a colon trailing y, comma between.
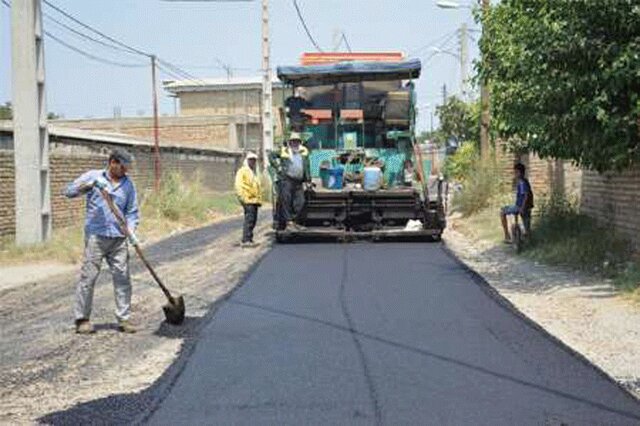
x: 304, y: 24
x: 101, y: 34
x: 123, y: 46
x: 93, y: 57
x: 180, y: 71
x: 446, y: 37
x: 82, y: 52
x: 85, y: 36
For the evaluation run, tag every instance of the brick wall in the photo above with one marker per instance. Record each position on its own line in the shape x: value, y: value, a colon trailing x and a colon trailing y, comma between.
x: 7, y: 196
x: 614, y: 199
x: 611, y: 198
x: 191, y: 131
x: 69, y: 158
x: 545, y: 175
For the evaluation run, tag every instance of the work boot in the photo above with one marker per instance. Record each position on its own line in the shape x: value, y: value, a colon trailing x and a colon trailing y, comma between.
x: 295, y: 227
x: 83, y: 326
x: 125, y: 327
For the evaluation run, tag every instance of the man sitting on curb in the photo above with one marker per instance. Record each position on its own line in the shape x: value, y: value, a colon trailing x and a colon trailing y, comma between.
x: 523, y: 205
x: 249, y: 192
x: 104, y: 238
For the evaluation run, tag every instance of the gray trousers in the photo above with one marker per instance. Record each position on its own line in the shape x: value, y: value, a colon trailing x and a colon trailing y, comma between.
x: 290, y: 201
x: 115, y: 251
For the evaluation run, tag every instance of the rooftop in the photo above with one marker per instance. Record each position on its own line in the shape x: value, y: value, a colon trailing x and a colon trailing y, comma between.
x: 216, y: 84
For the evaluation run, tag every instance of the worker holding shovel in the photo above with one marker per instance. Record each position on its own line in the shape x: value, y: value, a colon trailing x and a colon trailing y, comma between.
x: 104, y: 238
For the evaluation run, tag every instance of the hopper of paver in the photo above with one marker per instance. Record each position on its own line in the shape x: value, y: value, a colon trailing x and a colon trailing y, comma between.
x: 357, y: 119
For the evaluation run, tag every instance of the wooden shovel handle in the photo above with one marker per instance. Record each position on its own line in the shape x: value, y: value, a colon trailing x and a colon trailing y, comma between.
x: 125, y: 230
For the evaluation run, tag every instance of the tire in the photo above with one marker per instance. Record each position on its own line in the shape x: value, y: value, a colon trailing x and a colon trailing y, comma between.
x: 516, y: 237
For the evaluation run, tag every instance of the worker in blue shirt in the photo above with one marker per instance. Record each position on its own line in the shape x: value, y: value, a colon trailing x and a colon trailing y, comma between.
x: 523, y: 205
x: 104, y: 239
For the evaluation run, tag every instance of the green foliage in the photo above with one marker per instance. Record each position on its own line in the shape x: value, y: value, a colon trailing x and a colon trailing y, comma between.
x: 6, y: 111
x: 628, y: 279
x: 186, y: 201
x: 563, y: 236
x: 459, y: 119
x: 481, y: 187
x: 458, y: 166
x: 565, y: 78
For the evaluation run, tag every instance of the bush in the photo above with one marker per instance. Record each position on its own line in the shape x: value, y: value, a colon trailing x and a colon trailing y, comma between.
x: 482, y: 187
x: 458, y: 166
x: 561, y: 235
x: 181, y: 200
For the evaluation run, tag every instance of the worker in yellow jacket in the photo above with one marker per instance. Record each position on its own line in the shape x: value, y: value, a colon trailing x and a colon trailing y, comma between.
x: 249, y: 192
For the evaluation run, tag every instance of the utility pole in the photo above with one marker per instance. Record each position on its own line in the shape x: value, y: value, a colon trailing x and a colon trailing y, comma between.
x: 464, y: 58
x: 444, y: 94
x: 431, y: 125
x: 267, y: 103
x: 156, y: 136
x: 485, y: 115
x: 30, y: 136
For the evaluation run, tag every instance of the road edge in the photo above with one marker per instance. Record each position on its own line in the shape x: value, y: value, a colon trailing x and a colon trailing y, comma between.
x: 164, y: 384
x: 505, y: 303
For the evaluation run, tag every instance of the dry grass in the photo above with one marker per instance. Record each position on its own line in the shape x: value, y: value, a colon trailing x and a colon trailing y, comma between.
x: 564, y: 237
x: 180, y: 205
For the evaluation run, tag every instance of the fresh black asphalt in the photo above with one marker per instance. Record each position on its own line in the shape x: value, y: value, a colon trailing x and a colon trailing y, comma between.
x: 381, y: 334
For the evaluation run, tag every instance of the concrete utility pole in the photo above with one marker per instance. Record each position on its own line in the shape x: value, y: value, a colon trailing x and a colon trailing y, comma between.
x: 464, y: 59
x: 485, y: 115
x: 156, y: 127
x: 444, y: 94
x: 30, y: 136
x: 267, y: 102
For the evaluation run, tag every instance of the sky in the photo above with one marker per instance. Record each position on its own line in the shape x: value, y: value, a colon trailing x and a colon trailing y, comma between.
x: 197, y: 37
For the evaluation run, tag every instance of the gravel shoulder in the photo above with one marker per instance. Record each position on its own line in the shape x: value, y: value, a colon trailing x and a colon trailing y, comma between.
x: 45, y: 367
x: 584, y: 312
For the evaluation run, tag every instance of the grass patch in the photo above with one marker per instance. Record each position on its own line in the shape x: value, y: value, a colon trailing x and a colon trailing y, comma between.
x: 564, y: 237
x: 64, y: 246
x: 483, y: 188
x: 180, y: 204
x: 186, y: 202
x: 484, y: 225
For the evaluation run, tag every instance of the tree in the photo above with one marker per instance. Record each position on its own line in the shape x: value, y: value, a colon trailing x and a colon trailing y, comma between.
x: 564, y: 78
x: 460, y: 120
x: 6, y: 112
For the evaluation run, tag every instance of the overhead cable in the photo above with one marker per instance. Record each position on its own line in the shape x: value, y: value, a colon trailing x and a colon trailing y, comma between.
x: 304, y: 25
x: 93, y: 57
x: 100, y: 33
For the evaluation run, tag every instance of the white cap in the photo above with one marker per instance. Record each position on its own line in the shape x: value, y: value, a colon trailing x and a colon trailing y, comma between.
x: 251, y: 156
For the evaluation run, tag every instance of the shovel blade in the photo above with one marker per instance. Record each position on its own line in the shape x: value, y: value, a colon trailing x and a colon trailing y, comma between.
x: 174, y: 310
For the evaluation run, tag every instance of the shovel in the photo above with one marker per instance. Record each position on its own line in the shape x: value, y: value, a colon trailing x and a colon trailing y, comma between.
x: 174, y: 310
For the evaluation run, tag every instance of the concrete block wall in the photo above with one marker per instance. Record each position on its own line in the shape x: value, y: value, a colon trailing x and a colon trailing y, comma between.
x: 198, y: 132
x: 70, y: 158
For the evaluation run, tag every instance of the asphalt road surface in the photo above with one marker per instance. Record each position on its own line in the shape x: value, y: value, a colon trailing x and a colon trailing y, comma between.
x: 381, y: 334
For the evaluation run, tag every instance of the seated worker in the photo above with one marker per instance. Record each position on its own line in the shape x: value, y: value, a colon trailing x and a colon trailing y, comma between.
x: 292, y: 165
x: 294, y: 106
x: 408, y: 174
x: 523, y: 205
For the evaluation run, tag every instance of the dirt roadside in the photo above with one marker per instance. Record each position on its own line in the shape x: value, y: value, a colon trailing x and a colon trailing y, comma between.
x: 45, y: 367
x: 584, y: 312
